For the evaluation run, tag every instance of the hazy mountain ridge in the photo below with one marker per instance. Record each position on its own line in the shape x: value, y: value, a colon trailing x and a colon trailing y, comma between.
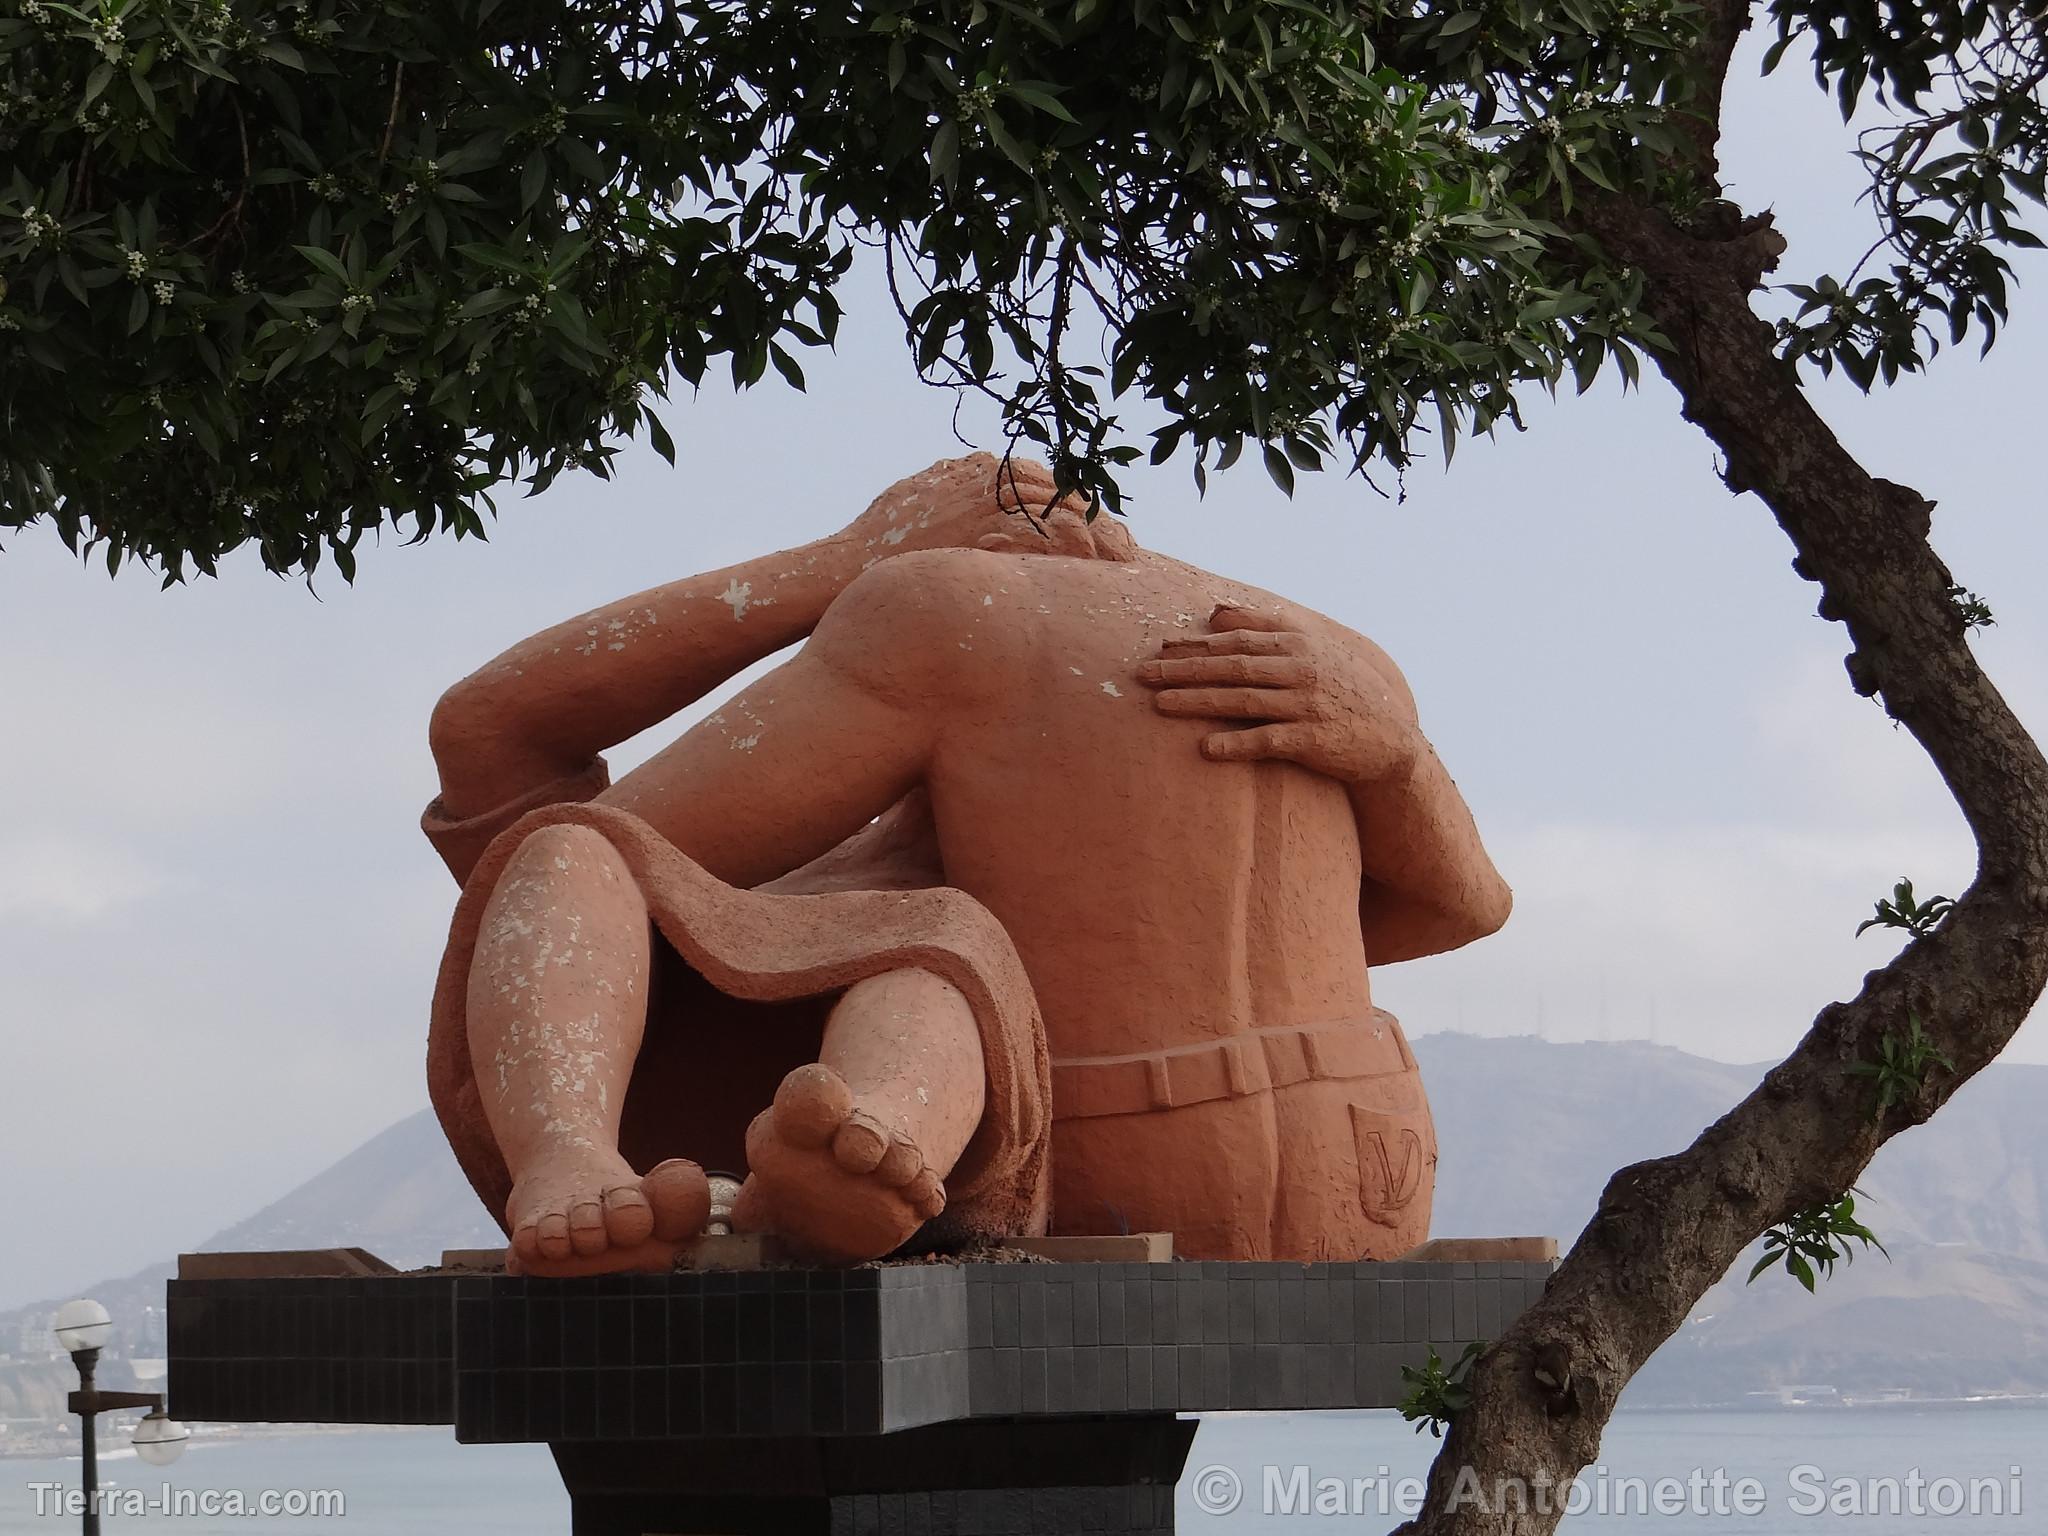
x: 400, y: 1195
x: 1530, y: 1132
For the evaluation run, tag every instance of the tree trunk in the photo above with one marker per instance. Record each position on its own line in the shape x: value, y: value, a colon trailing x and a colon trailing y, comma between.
x: 1666, y: 1230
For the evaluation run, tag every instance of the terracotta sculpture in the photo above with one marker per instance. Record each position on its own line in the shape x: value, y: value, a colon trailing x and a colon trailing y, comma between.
x: 1039, y: 887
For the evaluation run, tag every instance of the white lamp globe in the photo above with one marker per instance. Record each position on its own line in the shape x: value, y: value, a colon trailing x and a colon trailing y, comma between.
x: 82, y: 1325
x: 160, y: 1440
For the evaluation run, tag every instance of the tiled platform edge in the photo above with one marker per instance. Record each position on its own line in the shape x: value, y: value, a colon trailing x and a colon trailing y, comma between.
x: 808, y: 1353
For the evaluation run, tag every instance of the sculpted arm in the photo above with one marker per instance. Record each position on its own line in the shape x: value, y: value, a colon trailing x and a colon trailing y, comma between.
x: 1429, y: 885
x: 545, y: 708
x: 807, y: 756
x: 551, y: 703
x: 1333, y: 702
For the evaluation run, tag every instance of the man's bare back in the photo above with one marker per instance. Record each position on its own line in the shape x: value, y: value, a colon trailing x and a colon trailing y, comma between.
x: 1095, y: 830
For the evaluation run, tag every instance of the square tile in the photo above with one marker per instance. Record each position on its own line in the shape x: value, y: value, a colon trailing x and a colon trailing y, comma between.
x: 1004, y: 1323
x: 1031, y: 1314
x: 1243, y: 1311
x: 1059, y: 1315
x: 1087, y: 1312
x: 1415, y: 1312
x: 1265, y: 1311
x: 1443, y: 1309
x: 1137, y: 1309
x: 1031, y: 1381
x: 1138, y: 1394
x: 1110, y: 1312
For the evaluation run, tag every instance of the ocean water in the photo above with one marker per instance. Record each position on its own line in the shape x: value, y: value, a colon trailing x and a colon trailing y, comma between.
x: 1873, y: 1472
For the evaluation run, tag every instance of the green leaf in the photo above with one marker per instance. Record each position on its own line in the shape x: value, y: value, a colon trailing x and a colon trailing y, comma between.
x: 479, y: 152
x: 1416, y: 287
x: 1278, y: 469
x: 1040, y: 96
x: 945, y: 152
x: 325, y: 260
x: 658, y: 435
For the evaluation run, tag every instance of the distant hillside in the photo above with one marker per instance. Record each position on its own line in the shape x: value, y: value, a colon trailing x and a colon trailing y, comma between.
x: 1530, y: 1132
x: 399, y: 1195
x: 1946, y: 1322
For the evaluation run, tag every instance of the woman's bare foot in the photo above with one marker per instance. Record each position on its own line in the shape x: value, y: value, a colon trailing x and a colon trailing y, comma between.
x: 586, y: 1212
x: 830, y: 1178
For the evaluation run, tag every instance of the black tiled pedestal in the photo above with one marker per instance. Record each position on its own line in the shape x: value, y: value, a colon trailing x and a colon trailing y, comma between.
x: 949, y: 1399
x: 983, y: 1477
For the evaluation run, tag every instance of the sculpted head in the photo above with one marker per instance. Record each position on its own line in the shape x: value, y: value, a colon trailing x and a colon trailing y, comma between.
x: 1062, y: 530
x: 1056, y: 529
x: 981, y: 502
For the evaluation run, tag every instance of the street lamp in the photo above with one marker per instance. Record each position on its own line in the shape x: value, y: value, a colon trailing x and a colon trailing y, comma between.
x: 83, y: 1328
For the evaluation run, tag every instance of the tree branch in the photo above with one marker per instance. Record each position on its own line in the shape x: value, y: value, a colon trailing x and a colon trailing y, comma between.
x: 1721, y: 29
x: 1665, y: 1230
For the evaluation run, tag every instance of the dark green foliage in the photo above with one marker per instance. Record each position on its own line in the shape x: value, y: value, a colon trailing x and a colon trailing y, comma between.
x: 1902, y: 1065
x: 1918, y: 918
x: 283, y: 272
x: 291, y: 272
x: 1437, y: 1393
x: 1808, y: 1243
x: 288, y: 272
x: 1962, y: 149
x: 1974, y: 612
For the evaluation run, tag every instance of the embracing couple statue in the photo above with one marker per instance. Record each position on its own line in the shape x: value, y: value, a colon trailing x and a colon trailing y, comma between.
x: 1037, y: 891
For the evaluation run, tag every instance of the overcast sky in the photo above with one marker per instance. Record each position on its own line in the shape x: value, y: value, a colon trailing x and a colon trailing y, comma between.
x: 219, y: 923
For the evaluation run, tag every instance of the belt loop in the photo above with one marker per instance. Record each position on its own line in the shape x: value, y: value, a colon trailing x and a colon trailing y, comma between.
x: 1157, y: 1084
x: 1237, y: 1071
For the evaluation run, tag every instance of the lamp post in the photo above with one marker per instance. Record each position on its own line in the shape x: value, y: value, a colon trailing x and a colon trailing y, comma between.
x: 83, y: 1328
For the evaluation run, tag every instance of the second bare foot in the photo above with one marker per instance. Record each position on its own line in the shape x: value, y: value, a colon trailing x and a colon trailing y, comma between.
x: 829, y: 1178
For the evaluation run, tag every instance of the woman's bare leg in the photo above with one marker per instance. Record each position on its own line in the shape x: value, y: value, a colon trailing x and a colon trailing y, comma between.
x: 557, y: 1007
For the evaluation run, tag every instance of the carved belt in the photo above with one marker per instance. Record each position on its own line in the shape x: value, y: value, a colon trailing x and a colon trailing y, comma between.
x: 1254, y: 1062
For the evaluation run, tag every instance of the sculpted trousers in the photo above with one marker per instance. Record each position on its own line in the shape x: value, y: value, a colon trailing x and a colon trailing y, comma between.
x: 1303, y: 1144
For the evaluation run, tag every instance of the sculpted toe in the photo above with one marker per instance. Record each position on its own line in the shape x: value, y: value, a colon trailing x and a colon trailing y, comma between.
x: 927, y: 1196
x: 812, y: 1103
x: 679, y: 1197
x: 628, y: 1218
x: 551, y: 1236
x: 900, y: 1164
x: 861, y: 1143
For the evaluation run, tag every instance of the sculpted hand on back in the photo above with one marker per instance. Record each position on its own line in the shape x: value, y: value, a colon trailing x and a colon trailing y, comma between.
x: 1152, y: 825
